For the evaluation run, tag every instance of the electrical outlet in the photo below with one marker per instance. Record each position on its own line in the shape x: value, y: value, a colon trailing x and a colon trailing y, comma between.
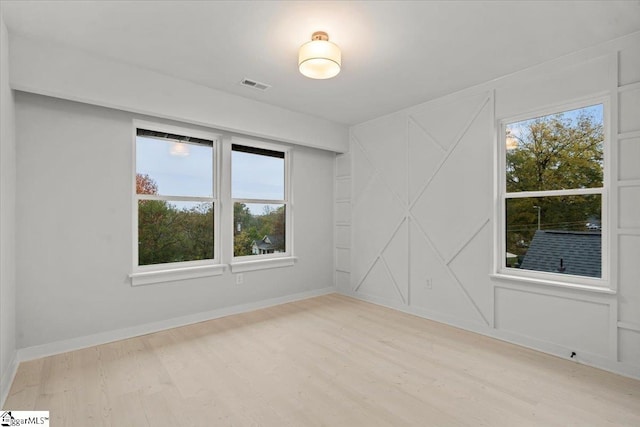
x: 429, y: 283
x: 239, y: 279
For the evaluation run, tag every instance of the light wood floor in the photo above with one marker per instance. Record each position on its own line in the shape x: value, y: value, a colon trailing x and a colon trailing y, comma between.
x: 330, y: 361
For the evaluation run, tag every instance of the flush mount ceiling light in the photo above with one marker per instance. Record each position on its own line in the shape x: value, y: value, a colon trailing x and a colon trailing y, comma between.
x: 319, y: 58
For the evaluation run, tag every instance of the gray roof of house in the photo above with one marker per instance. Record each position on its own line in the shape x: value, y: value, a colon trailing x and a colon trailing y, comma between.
x: 581, y: 252
x: 277, y: 242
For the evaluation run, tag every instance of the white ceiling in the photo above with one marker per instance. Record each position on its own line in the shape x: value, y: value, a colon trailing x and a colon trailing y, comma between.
x: 395, y: 54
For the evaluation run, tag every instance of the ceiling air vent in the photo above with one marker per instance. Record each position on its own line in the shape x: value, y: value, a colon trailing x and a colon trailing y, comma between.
x: 254, y: 84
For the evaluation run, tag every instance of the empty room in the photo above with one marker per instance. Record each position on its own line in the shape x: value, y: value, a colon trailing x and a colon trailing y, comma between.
x: 320, y: 213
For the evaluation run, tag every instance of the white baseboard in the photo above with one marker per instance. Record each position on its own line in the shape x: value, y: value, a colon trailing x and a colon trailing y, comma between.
x: 49, y: 349
x: 589, y: 359
x: 467, y: 325
x: 584, y: 358
x: 7, y: 379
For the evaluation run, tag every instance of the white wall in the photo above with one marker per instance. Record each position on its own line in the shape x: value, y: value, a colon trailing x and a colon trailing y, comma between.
x: 415, y: 222
x: 74, y: 166
x: 67, y: 73
x: 7, y: 221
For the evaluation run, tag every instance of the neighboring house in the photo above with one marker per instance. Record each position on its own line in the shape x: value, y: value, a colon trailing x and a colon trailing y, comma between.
x: 580, y: 252
x: 268, y: 245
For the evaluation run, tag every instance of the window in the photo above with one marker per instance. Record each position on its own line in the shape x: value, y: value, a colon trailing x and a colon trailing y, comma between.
x: 179, y: 209
x: 553, y: 196
x: 259, y: 191
x: 176, y: 204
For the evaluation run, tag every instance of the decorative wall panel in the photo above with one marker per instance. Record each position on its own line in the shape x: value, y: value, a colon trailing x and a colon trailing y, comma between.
x: 416, y: 209
x: 422, y: 227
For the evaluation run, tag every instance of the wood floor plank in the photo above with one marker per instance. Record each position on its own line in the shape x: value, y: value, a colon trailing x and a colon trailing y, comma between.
x: 330, y: 360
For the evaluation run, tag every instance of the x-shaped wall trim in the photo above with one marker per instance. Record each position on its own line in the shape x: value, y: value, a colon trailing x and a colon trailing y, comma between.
x: 410, y: 218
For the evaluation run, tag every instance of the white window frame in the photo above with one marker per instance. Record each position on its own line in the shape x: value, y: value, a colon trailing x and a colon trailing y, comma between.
x: 274, y: 260
x: 147, y: 274
x: 500, y: 270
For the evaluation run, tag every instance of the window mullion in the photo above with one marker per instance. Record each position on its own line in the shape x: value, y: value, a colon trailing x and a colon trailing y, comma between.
x: 261, y: 201
x: 175, y: 198
x: 551, y: 193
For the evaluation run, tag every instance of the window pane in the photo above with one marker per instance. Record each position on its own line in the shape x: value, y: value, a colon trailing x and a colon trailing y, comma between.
x: 174, y: 231
x: 555, y: 234
x: 257, y: 176
x: 174, y: 168
x: 258, y: 229
x: 554, y: 152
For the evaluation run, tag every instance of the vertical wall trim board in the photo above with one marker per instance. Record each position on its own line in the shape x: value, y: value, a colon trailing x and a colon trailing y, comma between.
x: 334, y: 222
x: 409, y: 254
x: 406, y: 165
x: 407, y: 213
x: 495, y: 206
x: 611, y: 177
x: 493, y: 324
x: 345, y: 177
x: 612, y: 216
x: 614, y: 348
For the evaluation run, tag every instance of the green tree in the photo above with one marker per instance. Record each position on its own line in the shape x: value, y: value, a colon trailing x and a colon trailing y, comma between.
x: 253, y: 227
x: 167, y: 233
x: 556, y: 152
x: 157, y: 236
x: 277, y: 223
x: 244, y: 230
x: 197, y: 232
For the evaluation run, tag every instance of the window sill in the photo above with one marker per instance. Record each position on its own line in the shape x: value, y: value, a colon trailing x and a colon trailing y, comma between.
x: 553, y: 283
x: 262, y: 264
x: 173, y: 274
